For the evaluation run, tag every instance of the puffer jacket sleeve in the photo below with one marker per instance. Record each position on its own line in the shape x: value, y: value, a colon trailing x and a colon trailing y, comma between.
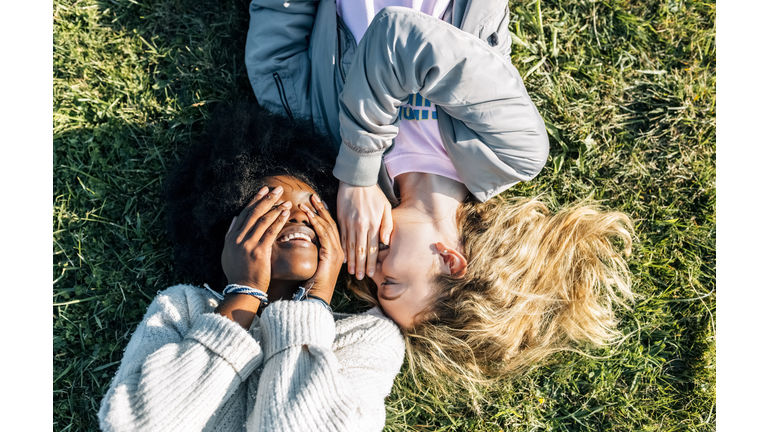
x: 494, y: 130
x: 180, y: 366
x: 276, y: 55
x: 321, y: 375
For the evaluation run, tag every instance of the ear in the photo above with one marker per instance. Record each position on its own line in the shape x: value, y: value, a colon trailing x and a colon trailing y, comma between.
x: 452, y: 261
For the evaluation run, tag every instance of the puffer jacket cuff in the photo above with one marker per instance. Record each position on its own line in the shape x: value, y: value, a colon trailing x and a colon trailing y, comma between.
x: 357, y: 169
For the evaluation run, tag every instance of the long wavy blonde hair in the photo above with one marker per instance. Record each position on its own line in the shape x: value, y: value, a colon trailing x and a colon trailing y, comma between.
x: 536, y: 283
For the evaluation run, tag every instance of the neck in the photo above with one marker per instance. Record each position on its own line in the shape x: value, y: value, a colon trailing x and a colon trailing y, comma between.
x: 282, y: 289
x: 436, y: 197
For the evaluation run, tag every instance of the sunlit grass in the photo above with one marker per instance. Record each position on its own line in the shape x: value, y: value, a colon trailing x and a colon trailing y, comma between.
x: 627, y: 89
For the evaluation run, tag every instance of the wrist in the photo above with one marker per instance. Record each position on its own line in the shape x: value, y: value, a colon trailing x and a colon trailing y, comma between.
x: 241, y: 303
x: 240, y: 308
x: 310, y: 289
x: 324, y: 295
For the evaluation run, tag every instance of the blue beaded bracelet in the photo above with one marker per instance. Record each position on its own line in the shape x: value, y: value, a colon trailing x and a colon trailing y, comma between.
x: 242, y: 289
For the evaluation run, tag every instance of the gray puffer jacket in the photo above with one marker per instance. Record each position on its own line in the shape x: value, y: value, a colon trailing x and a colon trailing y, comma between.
x: 303, y: 61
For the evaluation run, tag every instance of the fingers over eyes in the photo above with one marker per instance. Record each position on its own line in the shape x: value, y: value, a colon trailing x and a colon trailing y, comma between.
x: 373, y: 251
x: 319, y: 225
x: 361, y: 254
x: 351, y: 255
x: 386, y: 225
x: 272, y: 231
x: 259, y: 207
x: 328, y: 222
x: 243, y: 217
x: 322, y: 210
x: 265, y: 224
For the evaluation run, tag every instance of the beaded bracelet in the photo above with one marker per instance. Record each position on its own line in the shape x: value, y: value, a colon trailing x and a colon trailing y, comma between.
x: 302, y: 294
x: 242, y: 289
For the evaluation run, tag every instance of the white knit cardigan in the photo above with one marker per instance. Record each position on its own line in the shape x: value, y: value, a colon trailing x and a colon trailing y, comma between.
x: 298, y: 368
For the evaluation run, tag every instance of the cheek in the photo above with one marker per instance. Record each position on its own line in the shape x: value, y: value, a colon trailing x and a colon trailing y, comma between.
x: 413, y: 259
x: 399, y: 312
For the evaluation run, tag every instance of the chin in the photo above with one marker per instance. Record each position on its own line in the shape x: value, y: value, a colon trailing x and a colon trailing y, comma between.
x: 292, y: 276
x: 293, y: 271
x: 294, y: 263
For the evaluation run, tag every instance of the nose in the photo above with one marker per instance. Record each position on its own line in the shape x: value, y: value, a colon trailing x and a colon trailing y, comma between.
x: 298, y: 216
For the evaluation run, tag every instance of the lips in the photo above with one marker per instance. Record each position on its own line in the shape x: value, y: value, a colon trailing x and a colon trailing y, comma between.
x: 297, y: 233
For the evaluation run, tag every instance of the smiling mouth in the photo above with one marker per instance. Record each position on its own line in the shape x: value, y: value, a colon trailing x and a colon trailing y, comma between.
x: 297, y: 235
x: 294, y: 237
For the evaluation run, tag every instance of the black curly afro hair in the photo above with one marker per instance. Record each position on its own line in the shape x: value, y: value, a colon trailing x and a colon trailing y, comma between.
x: 242, y: 145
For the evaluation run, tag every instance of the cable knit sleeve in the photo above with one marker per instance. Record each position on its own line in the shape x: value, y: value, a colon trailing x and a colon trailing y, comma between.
x: 181, y: 365
x: 322, y: 375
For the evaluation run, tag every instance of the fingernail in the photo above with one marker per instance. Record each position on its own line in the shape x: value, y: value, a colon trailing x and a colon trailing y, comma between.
x: 286, y: 205
x: 385, y: 239
x: 263, y: 191
x: 359, y: 275
x: 277, y: 190
x: 325, y: 205
x: 345, y: 258
x: 316, y: 198
x: 370, y: 273
x: 285, y: 213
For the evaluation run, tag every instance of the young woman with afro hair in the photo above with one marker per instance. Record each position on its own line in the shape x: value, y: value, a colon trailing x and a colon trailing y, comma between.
x: 246, y: 214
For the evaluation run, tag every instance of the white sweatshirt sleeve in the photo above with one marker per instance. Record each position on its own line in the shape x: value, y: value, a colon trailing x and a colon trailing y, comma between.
x: 310, y: 382
x: 180, y: 366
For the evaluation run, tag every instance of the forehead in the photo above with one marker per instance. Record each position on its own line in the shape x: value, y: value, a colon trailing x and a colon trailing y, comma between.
x: 288, y: 183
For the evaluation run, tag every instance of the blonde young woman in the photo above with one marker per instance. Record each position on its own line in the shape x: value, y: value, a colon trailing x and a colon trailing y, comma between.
x: 535, y: 283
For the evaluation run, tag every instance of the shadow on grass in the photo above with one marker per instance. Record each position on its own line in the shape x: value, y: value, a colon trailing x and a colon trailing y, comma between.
x: 132, y: 85
x: 201, y: 45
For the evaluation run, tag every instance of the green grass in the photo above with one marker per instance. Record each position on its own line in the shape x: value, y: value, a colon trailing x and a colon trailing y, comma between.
x: 627, y: 89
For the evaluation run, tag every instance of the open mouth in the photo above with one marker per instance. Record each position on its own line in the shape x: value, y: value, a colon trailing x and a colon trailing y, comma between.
x: 297, y: 236
x: 297, y: 233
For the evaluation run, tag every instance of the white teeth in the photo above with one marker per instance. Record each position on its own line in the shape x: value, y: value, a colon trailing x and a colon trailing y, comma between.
x: 290, y: 237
